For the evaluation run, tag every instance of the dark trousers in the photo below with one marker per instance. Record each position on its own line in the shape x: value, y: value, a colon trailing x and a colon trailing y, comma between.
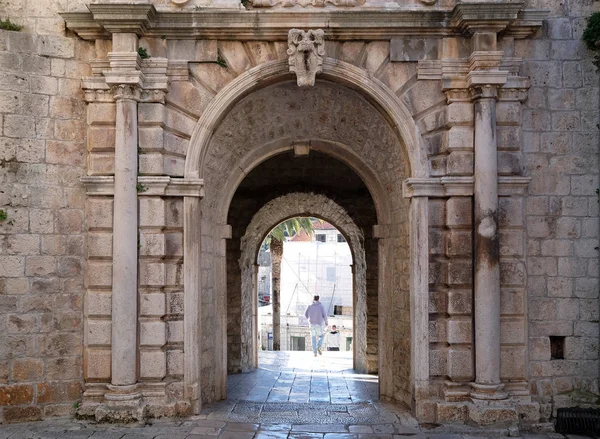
x: 333, y: 349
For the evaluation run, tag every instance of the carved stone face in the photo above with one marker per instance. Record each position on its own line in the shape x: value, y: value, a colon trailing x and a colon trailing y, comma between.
x: 306, y: 41
x: 306, y: 50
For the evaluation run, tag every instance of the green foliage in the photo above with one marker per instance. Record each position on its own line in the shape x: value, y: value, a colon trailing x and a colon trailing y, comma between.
x: 141, y: 188
x: 221, y: 61
x: 245, y: 3
x: 3, y: 215
x: 143, y: 53
x: 9, y: 25
x: 591, y: 35
x: 290, y: 228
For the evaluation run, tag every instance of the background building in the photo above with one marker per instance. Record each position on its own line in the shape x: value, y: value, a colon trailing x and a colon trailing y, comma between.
x: 312, y: 265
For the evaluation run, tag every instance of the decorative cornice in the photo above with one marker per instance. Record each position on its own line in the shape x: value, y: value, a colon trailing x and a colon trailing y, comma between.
x: 124, y: 17
x: 305, y: 3
x: 149, y: 186
x: 459, y: 186
x: 338, y: 24
x: 470, y: 17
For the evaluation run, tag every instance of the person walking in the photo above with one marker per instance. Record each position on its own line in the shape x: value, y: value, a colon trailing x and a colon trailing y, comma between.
x: 317, y: 317
x: 333, y: 339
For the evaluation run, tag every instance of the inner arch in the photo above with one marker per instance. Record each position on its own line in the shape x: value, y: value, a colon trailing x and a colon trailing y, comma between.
x: 272, y: 213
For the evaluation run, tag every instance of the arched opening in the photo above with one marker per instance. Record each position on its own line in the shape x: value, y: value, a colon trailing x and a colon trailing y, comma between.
x: 254, y: 152
x: 313, y: 258
x: 264, y: 199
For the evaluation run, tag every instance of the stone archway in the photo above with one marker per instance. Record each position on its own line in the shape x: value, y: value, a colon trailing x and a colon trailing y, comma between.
x: 403, y: 273
x: 280, y: 209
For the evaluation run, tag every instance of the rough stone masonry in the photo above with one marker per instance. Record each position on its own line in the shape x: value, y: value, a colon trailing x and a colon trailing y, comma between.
x: 457, y: 139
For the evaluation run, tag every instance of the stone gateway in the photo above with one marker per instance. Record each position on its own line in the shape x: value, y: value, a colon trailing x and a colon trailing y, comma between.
x: 148, y: 147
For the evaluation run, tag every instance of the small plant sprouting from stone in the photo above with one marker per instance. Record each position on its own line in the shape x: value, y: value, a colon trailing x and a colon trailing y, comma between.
x: 9, y: 25
x: 141, y: 188
x: 245, y: 3
x: 76, y: 405
x: 220, y: 60
x: 143, y: 53
x: 3, y: 215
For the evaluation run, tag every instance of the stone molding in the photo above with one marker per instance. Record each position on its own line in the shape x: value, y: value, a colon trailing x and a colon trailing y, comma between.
x: 102, y: 20
x: 459, y: 186
x: 306, y: 50
x: 305, y: 3
x: 150, y: 186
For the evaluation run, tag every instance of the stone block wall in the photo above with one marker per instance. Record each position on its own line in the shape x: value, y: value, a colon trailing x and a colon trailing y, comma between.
x: 560, y: 152
x: 42, y: 243
x: 451, y: 294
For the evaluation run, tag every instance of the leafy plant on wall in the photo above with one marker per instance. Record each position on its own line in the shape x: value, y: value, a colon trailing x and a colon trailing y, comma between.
x: 591, y: 35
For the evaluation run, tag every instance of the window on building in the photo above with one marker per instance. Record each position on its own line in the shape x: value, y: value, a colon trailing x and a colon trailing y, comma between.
x: 297, y: 343
x: 320, y: 237
x: 338, y: 310
x: 341, y: 238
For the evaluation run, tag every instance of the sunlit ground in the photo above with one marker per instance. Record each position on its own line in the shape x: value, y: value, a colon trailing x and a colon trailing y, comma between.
x: 298, y: 376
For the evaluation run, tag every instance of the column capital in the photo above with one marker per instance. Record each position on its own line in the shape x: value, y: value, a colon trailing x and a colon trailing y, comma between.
x: 126, y: 92
x: 484, y: 91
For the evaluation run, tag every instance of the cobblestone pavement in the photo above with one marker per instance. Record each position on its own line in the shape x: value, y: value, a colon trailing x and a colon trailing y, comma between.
x: 292, y: 395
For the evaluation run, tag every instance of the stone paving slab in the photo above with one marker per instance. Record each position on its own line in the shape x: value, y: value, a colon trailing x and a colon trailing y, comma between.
x: 211, y: 429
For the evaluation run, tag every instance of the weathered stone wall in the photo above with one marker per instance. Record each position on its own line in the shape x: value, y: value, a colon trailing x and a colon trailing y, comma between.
x: 560, y: 153
x: 43, y: 243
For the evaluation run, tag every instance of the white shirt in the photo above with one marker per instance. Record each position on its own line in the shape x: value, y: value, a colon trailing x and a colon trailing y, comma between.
x: 333, y: 339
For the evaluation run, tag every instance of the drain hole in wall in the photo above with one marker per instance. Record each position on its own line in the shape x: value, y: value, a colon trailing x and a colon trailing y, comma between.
x: 557, y: 347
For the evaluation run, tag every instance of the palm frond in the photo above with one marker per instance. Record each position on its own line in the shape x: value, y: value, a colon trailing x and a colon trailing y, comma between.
x: 291, y: 227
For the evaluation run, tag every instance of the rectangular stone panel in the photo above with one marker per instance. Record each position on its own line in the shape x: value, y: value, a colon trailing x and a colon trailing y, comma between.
x: 460, y: 363
x: 153, y: 364
x: 152, y: 212
x: 97, y: 332
x: 101, y: 138
x: 98, y: 304
x: 512, y: 362
x: 413, y: 49
x: 97, y: 364
x: 152, y: 274
x: 460, y: 302
x: 152, y: 333
x: 460, y: 330
x: 512, y: 330
x: 459, y: 212
x: 512, y: 242
x: 99, y: 213
x: 99, y: 245
x: 99, y: 274
x: 512, y: 301
x: 101, y: 163
x: 459, y: 138
x: 101, y: 113
x: 152, y: 304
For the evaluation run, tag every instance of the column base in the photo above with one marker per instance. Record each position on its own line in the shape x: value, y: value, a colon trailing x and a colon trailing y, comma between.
x: 487, y: 392
x: 122, y: 404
